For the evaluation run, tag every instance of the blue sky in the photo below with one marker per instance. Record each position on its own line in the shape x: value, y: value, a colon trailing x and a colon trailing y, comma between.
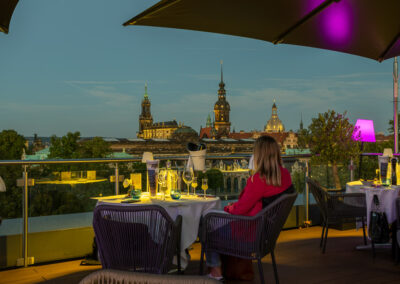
x: 72, y: 66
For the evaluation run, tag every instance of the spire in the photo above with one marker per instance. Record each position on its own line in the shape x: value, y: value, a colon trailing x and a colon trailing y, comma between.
x: 274, y: 105
x: 145, y: 91
x: 208, y: 124
x: 222, y: 73
x: 301, y: 121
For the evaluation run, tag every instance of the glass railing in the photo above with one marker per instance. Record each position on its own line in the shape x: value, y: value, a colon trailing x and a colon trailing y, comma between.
x: 57, y: 195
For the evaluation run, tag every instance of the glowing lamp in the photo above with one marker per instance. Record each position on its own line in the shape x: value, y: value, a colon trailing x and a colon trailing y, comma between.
x: 364, y: 131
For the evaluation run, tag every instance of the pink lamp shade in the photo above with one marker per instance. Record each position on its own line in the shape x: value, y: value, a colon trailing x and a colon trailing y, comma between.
x: 364, y: 131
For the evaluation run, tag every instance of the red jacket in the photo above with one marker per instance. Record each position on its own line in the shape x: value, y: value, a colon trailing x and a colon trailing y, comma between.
x: 250, y: 203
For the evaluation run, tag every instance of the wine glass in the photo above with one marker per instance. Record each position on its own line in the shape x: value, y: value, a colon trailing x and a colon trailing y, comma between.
x: 194, y: 185
x: 204, y: 186
x: 163, y: 188
x: 187, y: 177
x: 162, y: 180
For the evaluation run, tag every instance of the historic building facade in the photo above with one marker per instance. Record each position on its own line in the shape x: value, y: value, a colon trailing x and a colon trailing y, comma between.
x: 145, y: 118
x: 158, y: 130
x: 274, y: 124
x: 221, y: 111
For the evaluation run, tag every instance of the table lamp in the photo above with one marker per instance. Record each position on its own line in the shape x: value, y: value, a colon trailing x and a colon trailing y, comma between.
x: 363, y: 132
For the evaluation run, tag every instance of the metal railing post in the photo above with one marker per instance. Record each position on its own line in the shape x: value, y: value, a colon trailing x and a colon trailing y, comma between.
x: 25, y: 217
x: 351, y: 170
x: 306, y: 199
x: 116, y: 179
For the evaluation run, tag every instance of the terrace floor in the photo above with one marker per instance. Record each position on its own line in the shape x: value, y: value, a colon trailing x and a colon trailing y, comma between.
x: 297, y: 254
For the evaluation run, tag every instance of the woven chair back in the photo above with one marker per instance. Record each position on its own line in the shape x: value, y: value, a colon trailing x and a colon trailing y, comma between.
x: 136, y: 238
x: 320, y: 195
x: 274, y: 217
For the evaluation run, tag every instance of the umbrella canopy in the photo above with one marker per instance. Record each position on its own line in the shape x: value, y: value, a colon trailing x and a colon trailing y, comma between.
x: 6, y: 10
x: 367, y: 28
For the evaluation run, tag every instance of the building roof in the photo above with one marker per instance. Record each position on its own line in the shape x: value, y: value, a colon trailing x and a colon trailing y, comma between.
x: 241, y: 135
x: 184, y: 130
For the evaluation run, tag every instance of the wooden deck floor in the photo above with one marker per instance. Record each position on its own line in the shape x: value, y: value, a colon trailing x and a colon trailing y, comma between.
x: 297, y: 254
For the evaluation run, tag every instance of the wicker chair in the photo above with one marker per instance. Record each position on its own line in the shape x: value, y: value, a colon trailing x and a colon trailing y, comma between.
x: 246, y: 237
x: 136, y: 238
x: 396, y: 234
x: 336, y: 207
x: 108, y: 276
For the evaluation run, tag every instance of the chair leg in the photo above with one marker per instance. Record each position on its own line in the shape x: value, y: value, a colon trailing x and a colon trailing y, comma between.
x: 178, y: 258
x: 326, y: 237
x: 274, y: 265
x: 260, y: 270
x: 201, y: 260
x: 373, y: 249
x: 364, y: 235
x: 322, y: 234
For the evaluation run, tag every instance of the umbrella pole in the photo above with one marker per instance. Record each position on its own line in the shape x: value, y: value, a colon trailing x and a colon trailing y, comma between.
x: 395, y: 96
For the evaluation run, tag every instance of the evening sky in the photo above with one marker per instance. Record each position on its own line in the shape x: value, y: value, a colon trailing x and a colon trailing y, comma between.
x: 72, y: 66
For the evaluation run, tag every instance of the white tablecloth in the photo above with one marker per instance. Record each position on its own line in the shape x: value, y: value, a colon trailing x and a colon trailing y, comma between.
x: 192, y: 208
x: 386, y: 195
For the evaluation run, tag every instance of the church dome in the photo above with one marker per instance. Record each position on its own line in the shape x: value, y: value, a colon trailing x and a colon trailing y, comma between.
x: 274, y: 124
x: 222, y: 105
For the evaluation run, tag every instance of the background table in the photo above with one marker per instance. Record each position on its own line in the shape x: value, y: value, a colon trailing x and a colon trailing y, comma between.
x: 192, y: 208
x: 386, y: 195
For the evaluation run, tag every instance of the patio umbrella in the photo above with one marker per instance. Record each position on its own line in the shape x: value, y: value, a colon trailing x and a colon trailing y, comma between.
x: 367, y: 28
x: 6, y: 10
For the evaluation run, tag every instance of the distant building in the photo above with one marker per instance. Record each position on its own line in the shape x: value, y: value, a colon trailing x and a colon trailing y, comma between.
x: 221, y: 111
x: 274, y: 124
x: 158, y: 130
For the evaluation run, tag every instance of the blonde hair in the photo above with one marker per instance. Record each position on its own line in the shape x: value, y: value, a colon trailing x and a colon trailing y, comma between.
x: 267, y: 160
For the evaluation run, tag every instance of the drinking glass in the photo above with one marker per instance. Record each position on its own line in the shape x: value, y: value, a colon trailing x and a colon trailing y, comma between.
x: 204, y: 186
x: 187, y: 177
x: 162, y: 181
x: 194, y: 185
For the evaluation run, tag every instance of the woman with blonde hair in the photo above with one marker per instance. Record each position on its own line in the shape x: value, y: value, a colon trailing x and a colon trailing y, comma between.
x: 269, y: 181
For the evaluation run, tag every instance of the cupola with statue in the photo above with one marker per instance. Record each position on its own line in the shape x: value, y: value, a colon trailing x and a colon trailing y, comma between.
x: 274, y: 124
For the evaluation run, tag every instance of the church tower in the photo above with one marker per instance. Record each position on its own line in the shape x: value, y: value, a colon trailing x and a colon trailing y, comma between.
x: 274, y: 124
x: 221, y: 110
x: 145, y: 118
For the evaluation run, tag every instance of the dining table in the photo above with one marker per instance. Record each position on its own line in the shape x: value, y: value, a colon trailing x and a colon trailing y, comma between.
x: 386, y: 195
x: 190, y: 207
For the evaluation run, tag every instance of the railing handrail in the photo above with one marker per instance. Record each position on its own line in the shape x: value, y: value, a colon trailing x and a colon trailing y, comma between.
x: 123, y: 160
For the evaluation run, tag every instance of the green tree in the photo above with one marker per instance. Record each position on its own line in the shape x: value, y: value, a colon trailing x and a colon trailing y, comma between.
x: 11, y: 148
x: 65, y: 147
x: 11, y: 145
x: 329, y: 138
x: 94, y: 148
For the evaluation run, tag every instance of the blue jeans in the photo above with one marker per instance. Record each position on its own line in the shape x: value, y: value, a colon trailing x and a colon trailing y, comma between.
x: 212, y: 258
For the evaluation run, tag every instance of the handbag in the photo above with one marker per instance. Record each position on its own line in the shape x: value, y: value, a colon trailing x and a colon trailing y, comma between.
x: 378, y: 228
x: 235, y: 268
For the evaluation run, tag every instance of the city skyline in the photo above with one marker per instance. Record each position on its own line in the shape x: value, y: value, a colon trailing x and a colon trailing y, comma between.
x: 88, y: 75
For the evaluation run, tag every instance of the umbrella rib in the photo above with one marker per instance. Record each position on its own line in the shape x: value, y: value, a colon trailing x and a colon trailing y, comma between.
x: 382, y: 56
x: 314, y: 12
x: 153, y: 9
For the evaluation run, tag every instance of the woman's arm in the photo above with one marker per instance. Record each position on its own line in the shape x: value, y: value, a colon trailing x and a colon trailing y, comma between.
x: 247, y: 200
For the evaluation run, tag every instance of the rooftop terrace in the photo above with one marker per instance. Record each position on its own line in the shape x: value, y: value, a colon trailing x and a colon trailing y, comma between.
x: 298, y: 258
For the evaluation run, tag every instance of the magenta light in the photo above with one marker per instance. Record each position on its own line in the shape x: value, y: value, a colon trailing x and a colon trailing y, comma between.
x: 335, y: 24
x: 364, y: 131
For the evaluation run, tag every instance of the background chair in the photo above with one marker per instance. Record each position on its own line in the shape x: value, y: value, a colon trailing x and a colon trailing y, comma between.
x: 337, y: 207
x: 106, y: 276
x: 136, y: 238
x: 396, y: 232
x: 246, y: 237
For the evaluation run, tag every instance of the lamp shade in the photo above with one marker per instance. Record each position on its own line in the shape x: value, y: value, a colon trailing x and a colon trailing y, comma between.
x: 364, y: 131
